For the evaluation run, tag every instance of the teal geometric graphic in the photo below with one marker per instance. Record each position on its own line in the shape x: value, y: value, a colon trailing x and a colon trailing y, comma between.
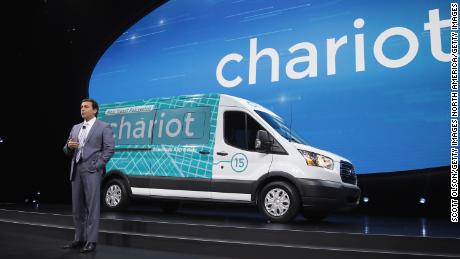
x: 165, y: 160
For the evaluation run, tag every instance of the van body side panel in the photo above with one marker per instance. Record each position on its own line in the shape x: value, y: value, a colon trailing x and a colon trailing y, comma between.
x: 164, y: 137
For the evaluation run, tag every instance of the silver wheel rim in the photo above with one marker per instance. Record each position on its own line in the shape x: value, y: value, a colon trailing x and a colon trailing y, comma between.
x: 277, y: 202
x: 113, y: 195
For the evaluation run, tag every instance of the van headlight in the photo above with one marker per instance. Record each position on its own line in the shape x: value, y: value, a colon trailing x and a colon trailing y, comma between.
x: 314, y: 159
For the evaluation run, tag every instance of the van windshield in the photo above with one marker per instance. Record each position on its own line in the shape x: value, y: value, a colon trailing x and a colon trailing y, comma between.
x: 279, y: 125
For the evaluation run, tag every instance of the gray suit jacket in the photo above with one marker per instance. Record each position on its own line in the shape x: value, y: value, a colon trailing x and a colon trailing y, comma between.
x: 98, y: 149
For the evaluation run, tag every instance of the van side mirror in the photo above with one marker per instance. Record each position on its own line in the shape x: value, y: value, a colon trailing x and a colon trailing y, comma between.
x: 263, y: 142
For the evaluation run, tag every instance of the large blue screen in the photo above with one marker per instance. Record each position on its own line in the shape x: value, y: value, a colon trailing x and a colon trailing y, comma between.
x: 368, y: 80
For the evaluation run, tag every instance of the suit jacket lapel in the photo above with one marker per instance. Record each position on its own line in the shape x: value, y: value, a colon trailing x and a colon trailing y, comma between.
x: 93, y: 128
x: 77, y: 132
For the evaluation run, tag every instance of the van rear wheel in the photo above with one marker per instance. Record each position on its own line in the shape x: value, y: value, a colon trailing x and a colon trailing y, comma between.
x: 279, y: 201
x: 114, y: 195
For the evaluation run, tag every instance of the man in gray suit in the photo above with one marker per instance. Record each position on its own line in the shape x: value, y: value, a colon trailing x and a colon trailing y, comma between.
x: 91, y: 145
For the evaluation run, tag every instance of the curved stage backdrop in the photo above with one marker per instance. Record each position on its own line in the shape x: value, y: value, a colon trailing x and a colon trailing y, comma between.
x: 369, y: 81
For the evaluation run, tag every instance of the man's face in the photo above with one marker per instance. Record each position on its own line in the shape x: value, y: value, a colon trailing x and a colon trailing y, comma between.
x: 87, y: 111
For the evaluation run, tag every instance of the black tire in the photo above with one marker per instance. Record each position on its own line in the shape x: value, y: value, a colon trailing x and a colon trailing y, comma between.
x: 314, y: 216
x: 285, y: 208
x: 114, y: 195
x: 169, y: 207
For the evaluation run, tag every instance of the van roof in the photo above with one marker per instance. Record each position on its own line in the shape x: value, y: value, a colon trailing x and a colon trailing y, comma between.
x: 250, y: 105
x: 227, y: 100
x: 161, y: 98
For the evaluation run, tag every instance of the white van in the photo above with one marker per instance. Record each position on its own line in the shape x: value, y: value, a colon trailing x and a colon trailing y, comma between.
x: 216, y: 147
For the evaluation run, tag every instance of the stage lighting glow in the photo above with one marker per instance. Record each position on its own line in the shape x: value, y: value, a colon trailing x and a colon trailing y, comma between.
x: 38, y: 193
x: 34, y: 201
x: 365, y: 199
x: 1, y: 140
x: 422, y: 200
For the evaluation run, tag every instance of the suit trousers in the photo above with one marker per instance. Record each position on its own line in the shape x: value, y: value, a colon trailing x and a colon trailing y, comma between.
x: 86, y: 188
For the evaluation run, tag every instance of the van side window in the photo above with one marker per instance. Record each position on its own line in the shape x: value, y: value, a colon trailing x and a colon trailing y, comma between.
x: 240, y: 130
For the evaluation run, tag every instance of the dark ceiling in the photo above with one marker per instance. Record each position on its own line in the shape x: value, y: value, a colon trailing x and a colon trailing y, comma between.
x: 52, y: 47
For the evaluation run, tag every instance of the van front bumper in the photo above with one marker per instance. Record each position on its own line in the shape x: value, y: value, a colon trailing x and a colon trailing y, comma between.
x: 322, y: 195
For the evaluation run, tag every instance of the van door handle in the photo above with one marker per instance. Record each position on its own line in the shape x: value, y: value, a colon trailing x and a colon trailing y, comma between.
x: 222, y: 153
x: 204, y: 152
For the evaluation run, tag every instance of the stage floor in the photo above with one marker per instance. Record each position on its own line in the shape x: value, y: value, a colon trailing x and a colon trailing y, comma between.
x: 20, y: 245
x: 248, y: 217
x: 227, y: 227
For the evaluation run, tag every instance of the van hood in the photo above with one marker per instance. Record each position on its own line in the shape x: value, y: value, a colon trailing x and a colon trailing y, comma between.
x: 334, y: 157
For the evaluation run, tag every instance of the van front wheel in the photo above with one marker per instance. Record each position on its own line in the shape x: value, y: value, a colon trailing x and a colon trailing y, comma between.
x: 279, y: 201
x: 114, y: 195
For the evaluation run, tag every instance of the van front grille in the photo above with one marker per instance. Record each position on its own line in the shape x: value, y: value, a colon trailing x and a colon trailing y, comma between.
x: 347, y: 173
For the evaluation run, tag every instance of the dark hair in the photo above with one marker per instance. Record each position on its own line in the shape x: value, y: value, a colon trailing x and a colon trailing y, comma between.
x: 93, y: 103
